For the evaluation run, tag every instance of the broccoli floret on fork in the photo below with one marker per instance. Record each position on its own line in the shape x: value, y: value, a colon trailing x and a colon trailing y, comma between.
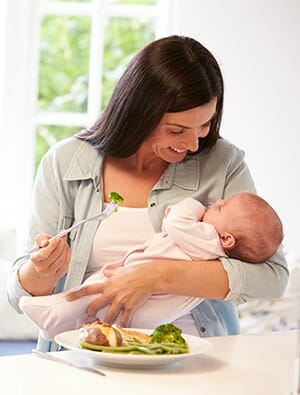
x: 115, y: 198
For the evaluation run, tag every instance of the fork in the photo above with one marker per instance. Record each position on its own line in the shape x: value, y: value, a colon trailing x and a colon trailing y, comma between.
x: 100, y: 217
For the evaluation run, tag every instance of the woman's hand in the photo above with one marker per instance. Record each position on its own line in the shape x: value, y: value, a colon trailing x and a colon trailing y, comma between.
x: 46, y: 266
x: 52, y: 260
x: 124, y: 289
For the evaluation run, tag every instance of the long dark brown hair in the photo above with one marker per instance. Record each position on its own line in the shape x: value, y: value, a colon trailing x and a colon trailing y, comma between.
x: 171, y: 74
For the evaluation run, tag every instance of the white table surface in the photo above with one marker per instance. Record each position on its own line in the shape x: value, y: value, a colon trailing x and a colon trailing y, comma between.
x: 245, y: 364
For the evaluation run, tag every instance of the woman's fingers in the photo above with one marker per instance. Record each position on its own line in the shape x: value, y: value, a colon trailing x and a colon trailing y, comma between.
x: 110, y: 269
x: 126, y: 318
x: 42, y: 240
x: 60, y: 267
x: 53, y: 259
x: 113, y: 312
x: 123, y: 293
x: 89, y: 289
x: 97, y: 304
x: 115, y: 308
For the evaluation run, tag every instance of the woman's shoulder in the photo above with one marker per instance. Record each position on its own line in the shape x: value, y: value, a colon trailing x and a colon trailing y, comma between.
x: 226, y: 147
x: 68, y: 146
x: 71, y: 147
x: 70, y: 154
x: 224, y: 151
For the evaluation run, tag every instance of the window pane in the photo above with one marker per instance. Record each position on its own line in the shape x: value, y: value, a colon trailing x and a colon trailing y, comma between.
x: 73, y: 1
x: 46, y: 136
x: 140, y: 2
x: 64, y: 56
x: 123, y: 38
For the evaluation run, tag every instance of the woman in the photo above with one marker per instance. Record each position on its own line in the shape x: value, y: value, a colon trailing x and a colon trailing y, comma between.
x: 156, y: 143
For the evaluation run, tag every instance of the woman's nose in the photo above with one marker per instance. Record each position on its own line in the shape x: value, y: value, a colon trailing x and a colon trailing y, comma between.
x: 192, y: 142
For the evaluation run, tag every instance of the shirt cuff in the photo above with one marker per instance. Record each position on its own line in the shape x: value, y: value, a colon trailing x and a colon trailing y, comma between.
x: 15, y: 290
x: 237, y: 277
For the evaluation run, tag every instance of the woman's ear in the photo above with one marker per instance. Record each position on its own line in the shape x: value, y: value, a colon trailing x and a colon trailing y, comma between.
x: 227, y: 240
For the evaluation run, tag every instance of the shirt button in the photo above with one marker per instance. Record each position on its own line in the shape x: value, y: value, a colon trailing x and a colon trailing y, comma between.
x: 202, y: 329
x: 152, y: 204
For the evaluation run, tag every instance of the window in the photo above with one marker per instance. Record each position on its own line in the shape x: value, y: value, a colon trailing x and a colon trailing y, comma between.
x: 84, y: 46
x: 58, y: 71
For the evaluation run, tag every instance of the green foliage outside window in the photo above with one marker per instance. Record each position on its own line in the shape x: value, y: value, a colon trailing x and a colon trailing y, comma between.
x: 123, y: 38
x: 64, y: 65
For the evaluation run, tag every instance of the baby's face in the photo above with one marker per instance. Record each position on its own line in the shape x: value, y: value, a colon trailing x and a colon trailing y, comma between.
x: 222, y: 213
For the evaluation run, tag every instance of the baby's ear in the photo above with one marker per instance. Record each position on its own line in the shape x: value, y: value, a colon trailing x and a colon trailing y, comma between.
x: 227, y: 240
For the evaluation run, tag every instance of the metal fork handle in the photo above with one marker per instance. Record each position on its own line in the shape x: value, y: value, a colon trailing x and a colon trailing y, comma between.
x: 100, y: 217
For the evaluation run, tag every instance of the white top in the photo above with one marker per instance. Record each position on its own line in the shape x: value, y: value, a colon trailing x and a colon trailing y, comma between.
x: 130, y: 226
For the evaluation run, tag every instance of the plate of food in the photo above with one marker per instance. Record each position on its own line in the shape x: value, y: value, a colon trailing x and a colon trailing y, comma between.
x: 113, y: 345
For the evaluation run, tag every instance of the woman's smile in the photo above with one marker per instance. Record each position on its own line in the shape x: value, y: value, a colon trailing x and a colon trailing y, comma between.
x: 177, y: 150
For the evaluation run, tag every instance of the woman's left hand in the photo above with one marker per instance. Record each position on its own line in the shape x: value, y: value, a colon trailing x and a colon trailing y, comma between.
x: 124, y: 289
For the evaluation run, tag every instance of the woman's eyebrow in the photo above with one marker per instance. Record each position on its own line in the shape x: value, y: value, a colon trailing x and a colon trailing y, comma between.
x: 178, y: 125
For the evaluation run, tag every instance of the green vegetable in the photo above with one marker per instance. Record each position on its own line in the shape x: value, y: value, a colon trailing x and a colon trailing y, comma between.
x: 165, y: 339
x: 140, y: 348
x: 115, y: 197
x: 167, y: 333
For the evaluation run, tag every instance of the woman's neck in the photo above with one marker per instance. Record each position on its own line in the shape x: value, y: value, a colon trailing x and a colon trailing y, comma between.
x: 139, y: 163
x: 131, y: 178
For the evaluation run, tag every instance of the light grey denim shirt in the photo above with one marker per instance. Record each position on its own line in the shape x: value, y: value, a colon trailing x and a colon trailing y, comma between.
x: 68, y: 188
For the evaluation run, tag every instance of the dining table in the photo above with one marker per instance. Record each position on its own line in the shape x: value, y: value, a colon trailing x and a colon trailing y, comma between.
x: 247, y: 364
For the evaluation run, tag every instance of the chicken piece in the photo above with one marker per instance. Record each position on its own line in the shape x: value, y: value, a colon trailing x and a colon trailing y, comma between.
x: 104, y: 334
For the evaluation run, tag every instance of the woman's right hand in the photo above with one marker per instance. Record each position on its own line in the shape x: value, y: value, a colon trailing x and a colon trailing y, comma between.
x: 46, y: 266
x: 52, y: 259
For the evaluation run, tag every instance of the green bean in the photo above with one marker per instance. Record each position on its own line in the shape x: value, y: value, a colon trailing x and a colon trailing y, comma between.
x: 140, y: 348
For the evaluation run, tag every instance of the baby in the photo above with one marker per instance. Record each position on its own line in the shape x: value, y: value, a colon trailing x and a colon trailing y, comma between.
x: 244, y: 227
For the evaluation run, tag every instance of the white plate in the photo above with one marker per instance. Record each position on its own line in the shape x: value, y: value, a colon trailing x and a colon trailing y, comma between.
x: 70, y: 340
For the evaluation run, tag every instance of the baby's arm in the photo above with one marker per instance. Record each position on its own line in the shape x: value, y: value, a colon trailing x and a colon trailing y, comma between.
x: 197, y: 239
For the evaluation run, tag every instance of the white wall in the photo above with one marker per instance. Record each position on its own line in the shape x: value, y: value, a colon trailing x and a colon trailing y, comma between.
x: 16, y: 110
x: 257, y: 44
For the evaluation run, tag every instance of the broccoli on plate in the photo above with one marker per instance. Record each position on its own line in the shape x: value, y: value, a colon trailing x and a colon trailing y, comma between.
x: 167, y: 333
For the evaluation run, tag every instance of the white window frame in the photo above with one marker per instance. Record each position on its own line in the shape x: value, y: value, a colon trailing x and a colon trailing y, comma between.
x: 19, y: 71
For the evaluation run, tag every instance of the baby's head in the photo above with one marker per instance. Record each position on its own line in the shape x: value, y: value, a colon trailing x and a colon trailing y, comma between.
x: 248, y: 227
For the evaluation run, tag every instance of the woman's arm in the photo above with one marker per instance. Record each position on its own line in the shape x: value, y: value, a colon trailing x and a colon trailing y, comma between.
x: 247, y: 281
x: 38, y: 274
x: 128, y: 287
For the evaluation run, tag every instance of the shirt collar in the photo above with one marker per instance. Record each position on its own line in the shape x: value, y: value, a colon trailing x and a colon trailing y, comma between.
x: 87, y: 163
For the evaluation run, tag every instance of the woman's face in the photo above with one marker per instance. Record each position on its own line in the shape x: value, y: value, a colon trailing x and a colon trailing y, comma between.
x: 178, y: 132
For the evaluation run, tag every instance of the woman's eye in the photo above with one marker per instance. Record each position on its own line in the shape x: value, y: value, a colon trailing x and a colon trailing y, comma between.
x: 179, y: 131
x: 207, y: 125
